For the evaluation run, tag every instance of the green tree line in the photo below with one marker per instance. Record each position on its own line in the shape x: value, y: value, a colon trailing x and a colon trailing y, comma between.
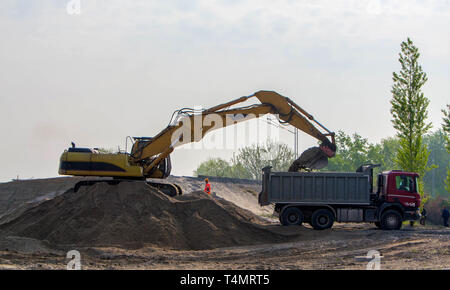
x: 248, y: 161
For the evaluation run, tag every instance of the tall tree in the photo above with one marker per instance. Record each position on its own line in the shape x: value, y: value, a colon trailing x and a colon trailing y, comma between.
x: 446, y: 119
x: 446, y: 128
x: 409, y: 112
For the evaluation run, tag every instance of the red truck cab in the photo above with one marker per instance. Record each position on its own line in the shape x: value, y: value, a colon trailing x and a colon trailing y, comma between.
x: 401, y: 187
x: 399, y: 190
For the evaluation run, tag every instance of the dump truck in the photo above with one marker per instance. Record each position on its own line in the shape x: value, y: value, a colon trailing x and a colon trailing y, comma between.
x: 322, y: 198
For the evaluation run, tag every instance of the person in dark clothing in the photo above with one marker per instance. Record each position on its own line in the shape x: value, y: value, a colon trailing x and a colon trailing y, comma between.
x: 423, y: 216
x: 403, y: 184
x: 445, y: 215
x: 424, y: 212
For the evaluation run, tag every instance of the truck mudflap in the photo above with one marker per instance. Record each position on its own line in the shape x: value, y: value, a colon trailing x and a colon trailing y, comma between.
x: 263, y: 197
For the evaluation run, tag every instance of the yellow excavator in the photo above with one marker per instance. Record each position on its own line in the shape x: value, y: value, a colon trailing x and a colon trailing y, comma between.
x: 150, y: 156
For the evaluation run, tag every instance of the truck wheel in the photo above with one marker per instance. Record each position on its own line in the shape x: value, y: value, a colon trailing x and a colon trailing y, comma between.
x: 391, y: 220
x: 291, y: 216
x: 322, y: 219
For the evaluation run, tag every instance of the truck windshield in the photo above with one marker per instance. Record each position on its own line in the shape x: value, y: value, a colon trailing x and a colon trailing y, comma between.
x: 405, y: 183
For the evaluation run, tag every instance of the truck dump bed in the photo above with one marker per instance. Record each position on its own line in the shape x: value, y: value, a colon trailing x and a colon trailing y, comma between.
x: 346, y: 188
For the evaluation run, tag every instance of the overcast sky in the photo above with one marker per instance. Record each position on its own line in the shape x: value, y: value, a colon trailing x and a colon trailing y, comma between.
x: 121, y: 68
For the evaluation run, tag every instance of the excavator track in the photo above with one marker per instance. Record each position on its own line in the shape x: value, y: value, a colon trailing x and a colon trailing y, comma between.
x: 169, y: 189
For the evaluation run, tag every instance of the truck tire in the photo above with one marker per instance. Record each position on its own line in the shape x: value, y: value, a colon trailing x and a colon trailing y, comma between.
x: 322, y: 219
x: 391, y: 220
x: 291, y: 216
x: 378, y: 224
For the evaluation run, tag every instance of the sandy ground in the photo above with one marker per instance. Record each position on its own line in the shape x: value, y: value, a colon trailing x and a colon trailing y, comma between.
x: 410, y: 248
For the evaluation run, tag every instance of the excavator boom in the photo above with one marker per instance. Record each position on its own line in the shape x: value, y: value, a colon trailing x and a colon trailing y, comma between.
x: 189, y: 130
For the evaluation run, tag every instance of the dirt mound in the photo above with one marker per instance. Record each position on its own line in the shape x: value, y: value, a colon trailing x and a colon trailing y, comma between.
x: 18, y: 192
x: 132, y: 215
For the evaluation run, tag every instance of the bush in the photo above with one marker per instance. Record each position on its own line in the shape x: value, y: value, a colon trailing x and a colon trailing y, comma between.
x: 434, y: 209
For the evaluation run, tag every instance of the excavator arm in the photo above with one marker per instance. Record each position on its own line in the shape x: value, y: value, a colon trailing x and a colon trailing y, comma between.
x: 152, y: 153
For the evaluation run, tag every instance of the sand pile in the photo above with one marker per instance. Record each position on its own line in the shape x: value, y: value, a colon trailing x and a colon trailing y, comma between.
x: 132, y: 215
x: 18, y: 192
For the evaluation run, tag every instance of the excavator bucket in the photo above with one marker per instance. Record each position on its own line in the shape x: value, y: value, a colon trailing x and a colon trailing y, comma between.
x: 312, y: 158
